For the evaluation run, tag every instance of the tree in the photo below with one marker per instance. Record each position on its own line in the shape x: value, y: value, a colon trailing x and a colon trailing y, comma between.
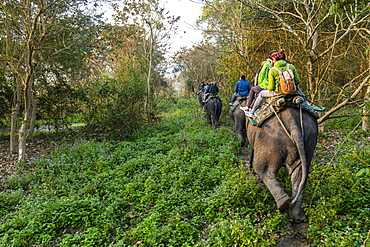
x: 320, y: 43
x: 5, y: 97
x: 154, y: 26
x: 198, y: 64
x: 34, y: 33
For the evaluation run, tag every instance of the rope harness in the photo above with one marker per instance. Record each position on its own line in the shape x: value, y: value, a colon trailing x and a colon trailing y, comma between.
x: 282, y: 124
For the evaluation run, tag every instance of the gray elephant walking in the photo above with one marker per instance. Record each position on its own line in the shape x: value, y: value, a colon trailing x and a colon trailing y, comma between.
x: 287, y: 140
x: 238, y: 116
x: 213, y: 108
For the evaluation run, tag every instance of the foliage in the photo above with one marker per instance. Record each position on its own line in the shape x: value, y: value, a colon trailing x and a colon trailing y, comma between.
x: 178, y: 183
x: 5, y: 98
x: 115, y: 107
x: 198, y: 65
x: 59, y: 102
x: 146, y: 27
x: 338, y: 209
x: 175, y: 183
x: 42, y: 43
x: 245, y: 31
x: 344, y: 122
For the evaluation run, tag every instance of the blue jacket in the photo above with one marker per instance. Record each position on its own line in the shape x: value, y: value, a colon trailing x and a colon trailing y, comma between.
x: 242, y: 88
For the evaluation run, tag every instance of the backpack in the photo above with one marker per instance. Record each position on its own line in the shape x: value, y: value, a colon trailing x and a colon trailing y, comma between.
x: 287, y: 82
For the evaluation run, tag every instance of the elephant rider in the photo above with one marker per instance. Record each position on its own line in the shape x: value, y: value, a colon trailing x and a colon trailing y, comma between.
x: 212, y: 89
x: 242, y: 88
x: 201, y: 86
x: 262, y: 81
x: 274, y: 80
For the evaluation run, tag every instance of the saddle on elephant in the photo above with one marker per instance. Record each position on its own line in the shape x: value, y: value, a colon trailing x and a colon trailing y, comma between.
x: 210, y: 96
x: 240, y: 101
x: 278, y: 103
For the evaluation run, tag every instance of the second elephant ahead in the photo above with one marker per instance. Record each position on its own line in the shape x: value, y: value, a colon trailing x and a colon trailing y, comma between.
x: 213, y: 108
x: 238, y: 116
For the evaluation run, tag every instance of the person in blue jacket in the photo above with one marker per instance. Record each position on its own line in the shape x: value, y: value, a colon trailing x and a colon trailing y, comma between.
x: 242, y: 88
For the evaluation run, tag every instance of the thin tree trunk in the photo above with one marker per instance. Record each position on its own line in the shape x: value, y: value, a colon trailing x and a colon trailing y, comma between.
x: 28, y: 103
x: 310, y: 81
x: 365, y: 119
x: 13, y: 129
x: 23, y: 132
x: 33, y: 116
x: 148, y: 103
x: 14, y: 117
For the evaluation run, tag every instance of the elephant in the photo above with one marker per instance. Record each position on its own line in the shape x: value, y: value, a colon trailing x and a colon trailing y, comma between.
x: 213, y: 108
x: 288, y: 139
x: 238, y: 116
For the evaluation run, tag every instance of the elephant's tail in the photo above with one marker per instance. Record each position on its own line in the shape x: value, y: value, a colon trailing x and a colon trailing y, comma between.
x: 298, y: 138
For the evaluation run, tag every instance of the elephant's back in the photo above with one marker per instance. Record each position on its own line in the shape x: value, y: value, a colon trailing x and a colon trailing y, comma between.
x: 276, y: 132
x: 214, y: 104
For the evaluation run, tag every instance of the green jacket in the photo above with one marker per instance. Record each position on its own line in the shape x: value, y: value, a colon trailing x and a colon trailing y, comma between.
x: 263, y: 80
x: 274, y: 79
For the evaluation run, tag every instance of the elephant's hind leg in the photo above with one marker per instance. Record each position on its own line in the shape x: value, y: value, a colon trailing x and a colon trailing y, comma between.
x: 208, y: 119
x: 267, y: 173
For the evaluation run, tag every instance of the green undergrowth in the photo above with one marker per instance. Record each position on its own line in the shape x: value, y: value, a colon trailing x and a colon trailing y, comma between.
x: 178, y: 183
x: 338, y: 197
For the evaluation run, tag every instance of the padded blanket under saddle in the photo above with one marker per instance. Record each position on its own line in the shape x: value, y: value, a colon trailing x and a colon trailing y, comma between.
x: 266, y: 110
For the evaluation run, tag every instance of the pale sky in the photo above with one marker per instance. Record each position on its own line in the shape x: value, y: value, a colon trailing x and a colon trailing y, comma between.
x: 189, y: 11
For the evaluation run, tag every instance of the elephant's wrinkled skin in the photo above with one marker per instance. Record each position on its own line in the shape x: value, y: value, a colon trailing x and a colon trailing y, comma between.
x: 238, y: 116
x: 213, y: 108
x: 272, y: 148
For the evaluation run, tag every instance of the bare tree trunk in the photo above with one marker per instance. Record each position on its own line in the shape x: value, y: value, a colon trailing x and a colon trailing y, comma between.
x: 14, y: 117
x: 148, y: 101
x: 322, y: 127
x: 23, y: 132
x: 28, y: 103
x: 365, y: 119
x: 13, y: 129
x: 33, y: 116
x: 310, y: 81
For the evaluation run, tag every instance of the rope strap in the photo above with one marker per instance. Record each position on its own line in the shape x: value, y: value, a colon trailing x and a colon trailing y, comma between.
x: 282, y: 124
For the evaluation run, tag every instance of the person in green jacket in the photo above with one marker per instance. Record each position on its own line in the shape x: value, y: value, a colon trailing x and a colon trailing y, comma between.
x: 273, y: 87
x: 274, y: 78
x: 262, y: 81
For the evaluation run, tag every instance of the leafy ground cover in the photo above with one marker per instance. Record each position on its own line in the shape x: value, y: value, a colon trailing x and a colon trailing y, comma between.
x: 338, y: 204
x: 179, y: 183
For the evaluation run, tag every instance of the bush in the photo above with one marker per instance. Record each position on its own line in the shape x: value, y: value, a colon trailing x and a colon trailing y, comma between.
x: 338, y: 206
x: 115, y: 107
